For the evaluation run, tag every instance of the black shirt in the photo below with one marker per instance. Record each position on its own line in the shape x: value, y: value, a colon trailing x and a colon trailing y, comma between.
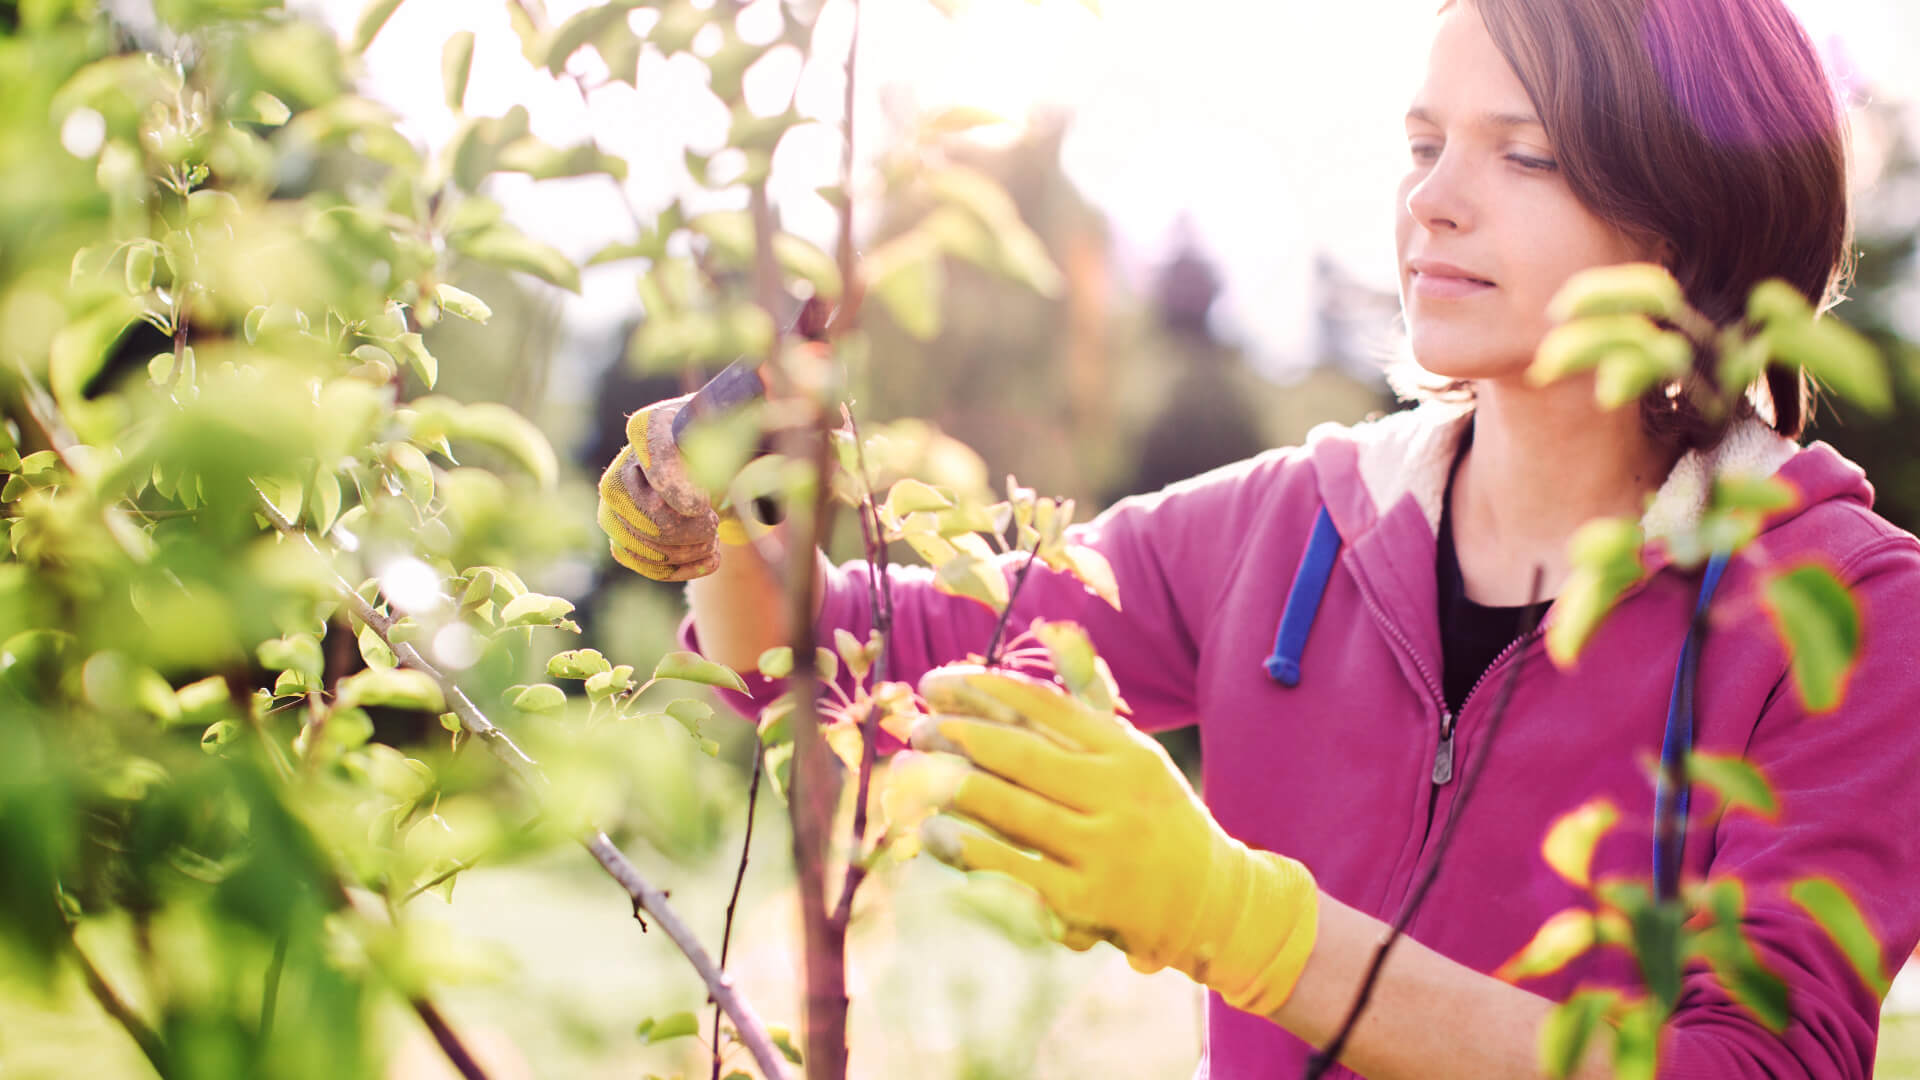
x: 1472, y: 635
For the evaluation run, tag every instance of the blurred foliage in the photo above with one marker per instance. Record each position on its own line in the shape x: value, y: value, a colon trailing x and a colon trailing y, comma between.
x: 1880, y: 305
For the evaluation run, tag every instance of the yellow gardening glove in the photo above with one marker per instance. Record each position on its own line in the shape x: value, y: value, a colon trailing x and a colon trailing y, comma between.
x: 1096, y: 818
x: 660, y: 522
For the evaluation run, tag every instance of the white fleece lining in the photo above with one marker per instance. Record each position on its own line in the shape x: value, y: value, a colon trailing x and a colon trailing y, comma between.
x: 1409, y: 453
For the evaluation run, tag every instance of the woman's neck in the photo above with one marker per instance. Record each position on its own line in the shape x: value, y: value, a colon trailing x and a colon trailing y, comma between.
x: 1544, y: 461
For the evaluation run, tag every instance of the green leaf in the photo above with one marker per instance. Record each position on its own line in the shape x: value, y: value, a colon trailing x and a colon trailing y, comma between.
x: 692, y: 667
x: 323, y: 509
x: 782, y: 1038
x: 1762, y: 494
x: 1012, y: 248
x: 777, y: 662
x: 1562, y: 939
x: 413, y: 353
x: 959, y: 118
x: 1569, y: 1028
x: 1606, y: 562
x: 674, y: 1026
x: 1733, y: 959
x: 413, y: 470
x: 1656, y: 939
x: 399, y: 688
x: 1092, y: 570
x: 218, y: 734
x: 581, y: 28
x: 1629, y: 351
x: 294, y: 652
x: 537, y: 698
x: 1835, y: 354
x: 456, y: 62
x: 139, y: 270
x: 1570, y: 840
x: 463, y: 303
x: 605, y: 684
x: 1819, y: 624
x: 800, y: 259
x: 507, y: 247
x: 974, y: 578
x: 514, y: 435
x: 1775, y: 301
x: 372, y: 18
x: 264, y: 109
x: 690, y: 714
x: 908, y: 279
x: 1738, y: 782
x: 577, y: 664
x: 1626, y: 289
x: 910, y: 496
x: 535, y: 609
x: 1830, y: 905
x: 376, y: 652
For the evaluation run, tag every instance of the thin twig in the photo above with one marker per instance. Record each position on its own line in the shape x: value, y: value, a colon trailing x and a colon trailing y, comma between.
x: 850, y: 291
x: 880, y: 588
x: 460, y: 866
x: 1319, y: 1063
x: 645, y: 897
x: 1000, y: 628
x: 448, y: 1039
x: 117, y: 1007
x: 270, y: 988
x: 739, y: 878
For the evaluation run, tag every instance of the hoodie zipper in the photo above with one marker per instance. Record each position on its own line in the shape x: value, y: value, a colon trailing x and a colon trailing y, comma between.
x: 1443, y: 761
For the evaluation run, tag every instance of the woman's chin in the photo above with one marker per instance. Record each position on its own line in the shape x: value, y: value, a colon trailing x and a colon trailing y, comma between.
x: 1456, y: 362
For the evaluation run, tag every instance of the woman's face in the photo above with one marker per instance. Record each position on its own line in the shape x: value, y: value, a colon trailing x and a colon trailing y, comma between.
x: 1487, y: 228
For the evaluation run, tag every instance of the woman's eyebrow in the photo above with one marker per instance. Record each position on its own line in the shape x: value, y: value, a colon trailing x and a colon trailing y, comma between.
x: 1499, y: 121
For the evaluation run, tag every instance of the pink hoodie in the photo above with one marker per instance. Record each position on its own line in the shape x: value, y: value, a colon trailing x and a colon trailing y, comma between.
x: 1338, y: 770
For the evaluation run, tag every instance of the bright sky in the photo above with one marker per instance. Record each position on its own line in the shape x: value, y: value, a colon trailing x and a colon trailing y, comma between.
x: 1273, y: 124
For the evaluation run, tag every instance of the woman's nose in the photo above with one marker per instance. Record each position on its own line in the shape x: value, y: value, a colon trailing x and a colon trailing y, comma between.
x: 1439, y: 200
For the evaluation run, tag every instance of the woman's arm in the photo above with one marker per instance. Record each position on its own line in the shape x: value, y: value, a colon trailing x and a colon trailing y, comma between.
x: 1429, y: 1017
x: 740, y: 610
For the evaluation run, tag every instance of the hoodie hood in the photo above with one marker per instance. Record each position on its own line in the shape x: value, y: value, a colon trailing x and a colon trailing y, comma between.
x: 1406, y: 456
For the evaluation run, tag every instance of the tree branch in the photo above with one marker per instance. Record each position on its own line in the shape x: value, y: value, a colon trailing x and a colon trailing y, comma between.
x: 643, y: 896
x: 850, y: 291
x: 739, y: 878
x: 1019, y: 580
x: 1319, y: 1063
x: 448, y: 1039
x: 117, y: 1007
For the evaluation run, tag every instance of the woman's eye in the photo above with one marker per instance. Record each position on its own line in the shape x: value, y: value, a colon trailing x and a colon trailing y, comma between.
x: 1424, y: 152
x: 1534, y: 164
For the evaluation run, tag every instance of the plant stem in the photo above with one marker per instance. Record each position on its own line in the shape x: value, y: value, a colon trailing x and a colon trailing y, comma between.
x: 270, y: 988
x: 739, y: 878
x: 117, y: 1007
x: 645, y: 897
x: 850, y: 290
x: 448, y: 1039
x: 1319, y: 1063
x: 1000, y: 628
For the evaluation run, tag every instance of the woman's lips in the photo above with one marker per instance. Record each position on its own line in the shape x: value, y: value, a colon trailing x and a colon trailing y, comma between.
x: 1438, y: 286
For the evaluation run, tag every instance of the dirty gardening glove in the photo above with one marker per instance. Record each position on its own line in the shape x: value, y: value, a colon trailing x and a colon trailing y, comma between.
x: 1095, y: 817
x: 661, y: 524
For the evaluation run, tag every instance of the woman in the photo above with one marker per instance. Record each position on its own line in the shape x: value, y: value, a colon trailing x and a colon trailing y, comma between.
x: 1549, y: 136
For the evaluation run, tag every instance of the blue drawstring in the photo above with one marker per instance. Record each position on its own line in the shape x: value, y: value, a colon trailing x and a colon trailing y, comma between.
x: 1303, y: 601
x: 1670, y: 797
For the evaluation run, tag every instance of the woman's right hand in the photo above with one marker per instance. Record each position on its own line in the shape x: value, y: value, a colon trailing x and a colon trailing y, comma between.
x: 660, y: 523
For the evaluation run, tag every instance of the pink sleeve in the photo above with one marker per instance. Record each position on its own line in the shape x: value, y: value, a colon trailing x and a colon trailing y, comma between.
x: 1168, y: 552
x: 1849, y: 811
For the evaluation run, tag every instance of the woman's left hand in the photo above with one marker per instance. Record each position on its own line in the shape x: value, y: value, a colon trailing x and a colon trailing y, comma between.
x: 1093, y: 815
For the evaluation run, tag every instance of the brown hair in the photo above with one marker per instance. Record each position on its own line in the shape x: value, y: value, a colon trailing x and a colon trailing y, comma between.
x: 1709, y: 128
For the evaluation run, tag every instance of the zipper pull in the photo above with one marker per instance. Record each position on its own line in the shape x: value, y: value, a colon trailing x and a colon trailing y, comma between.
x: 1443, y: 757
